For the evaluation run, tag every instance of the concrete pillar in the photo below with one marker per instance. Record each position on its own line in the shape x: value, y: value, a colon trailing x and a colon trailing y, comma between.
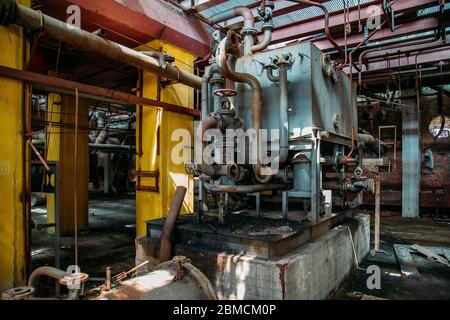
x: 61, y: 147
x: 13, y: 171
x: 411, y: 157
x: 157, y: 145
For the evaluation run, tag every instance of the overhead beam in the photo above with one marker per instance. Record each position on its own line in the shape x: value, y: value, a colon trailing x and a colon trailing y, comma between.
x: 316, y: 25
x: 120, y: 97
x: 143, y: 20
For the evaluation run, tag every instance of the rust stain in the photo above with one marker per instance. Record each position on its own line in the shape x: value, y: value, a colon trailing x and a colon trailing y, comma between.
x: 282, y: 276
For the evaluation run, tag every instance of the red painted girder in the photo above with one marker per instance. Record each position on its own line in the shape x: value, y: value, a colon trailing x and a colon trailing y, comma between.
x: 154, y: 19
x: 316, y: 25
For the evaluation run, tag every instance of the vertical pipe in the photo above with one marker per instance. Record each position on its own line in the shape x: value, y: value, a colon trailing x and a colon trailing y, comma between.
x: 258, y: 204
x: 377, y: 212
x: 284, y: 204
x: 284, y: 122
x: 169, y: 225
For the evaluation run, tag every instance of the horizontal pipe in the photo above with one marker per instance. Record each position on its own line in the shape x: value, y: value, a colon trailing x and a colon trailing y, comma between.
x: 106, y: 148
x: 111, y: 95
x: 243, y: 189
x: 31, y: 20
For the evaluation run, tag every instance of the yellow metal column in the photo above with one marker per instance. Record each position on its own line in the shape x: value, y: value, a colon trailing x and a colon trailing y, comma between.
x: 61, y: 147
x: 52, y: 147
x: 13, y: 226
x: 157, y: 129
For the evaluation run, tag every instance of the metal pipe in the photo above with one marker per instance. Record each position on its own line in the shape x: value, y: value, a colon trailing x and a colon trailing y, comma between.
x: 243, y: 189
x: 284, y: 121
x: 394, y: 46
x: 45, y: 271
x: 229, y: 45
x: 327, y: 23
x: 31, y: 20
x: 205, y: 95
x: 268, y: 29
x: 166, y: 233
x: 249, y: 24
x: 270, y: 74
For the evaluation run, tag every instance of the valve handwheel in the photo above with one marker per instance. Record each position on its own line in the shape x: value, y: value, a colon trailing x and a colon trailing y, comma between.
x: 225, y: 92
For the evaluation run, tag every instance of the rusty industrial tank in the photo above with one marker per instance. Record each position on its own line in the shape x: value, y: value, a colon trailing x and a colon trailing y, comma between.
x: 177, y: 279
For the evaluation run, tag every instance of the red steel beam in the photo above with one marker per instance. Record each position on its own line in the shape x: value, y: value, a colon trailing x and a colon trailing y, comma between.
x: 118, y: 96
x: 316, y: 25
x: 139, y: 20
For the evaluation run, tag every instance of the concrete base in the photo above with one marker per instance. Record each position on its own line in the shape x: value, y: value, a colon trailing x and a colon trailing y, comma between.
x: 313, y: 271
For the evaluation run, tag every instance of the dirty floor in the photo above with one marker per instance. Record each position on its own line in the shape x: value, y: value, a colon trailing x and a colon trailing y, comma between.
x: 433, y: 281
x: 109, y: 241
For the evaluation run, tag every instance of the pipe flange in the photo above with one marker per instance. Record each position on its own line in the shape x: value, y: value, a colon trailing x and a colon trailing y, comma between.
x: 72, y: 279
x: 286, y: 59
x: 248, y: 30
x: 268, y: 26
x: 218, y: 79
x: 20, y: 293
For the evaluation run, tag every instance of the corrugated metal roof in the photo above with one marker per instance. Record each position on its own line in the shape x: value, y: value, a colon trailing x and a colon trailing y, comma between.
x: 291, y: 17
x: 311, y: 12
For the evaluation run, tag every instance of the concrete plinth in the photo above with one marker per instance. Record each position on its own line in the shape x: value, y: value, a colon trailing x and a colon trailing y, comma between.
x: 313, y: 271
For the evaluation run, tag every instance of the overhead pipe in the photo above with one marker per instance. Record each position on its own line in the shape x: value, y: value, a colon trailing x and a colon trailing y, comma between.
x: 229, y: 46
x: 31, y: 19
x: 249, y: 24
x: 327, y: 23
x: 166, y: 233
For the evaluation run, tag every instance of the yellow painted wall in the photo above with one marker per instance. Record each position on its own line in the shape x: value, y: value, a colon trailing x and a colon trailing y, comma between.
x: 156, y: 205
x: 12, y: 226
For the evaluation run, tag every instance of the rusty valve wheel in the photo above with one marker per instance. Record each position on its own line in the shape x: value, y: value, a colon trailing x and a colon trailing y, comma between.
x: 225, y: 93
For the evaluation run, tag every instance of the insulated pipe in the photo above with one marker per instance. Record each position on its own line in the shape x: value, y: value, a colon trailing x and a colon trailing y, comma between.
x: 53, y: 28
x: 45, y: 271
x: 166, y: 233
x: 243, y: 189
x: 230, y: 45
x: 249, y: 24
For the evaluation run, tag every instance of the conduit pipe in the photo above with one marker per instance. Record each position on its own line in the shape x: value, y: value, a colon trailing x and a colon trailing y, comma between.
x: 230, y: 45
x: 53, y: 28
